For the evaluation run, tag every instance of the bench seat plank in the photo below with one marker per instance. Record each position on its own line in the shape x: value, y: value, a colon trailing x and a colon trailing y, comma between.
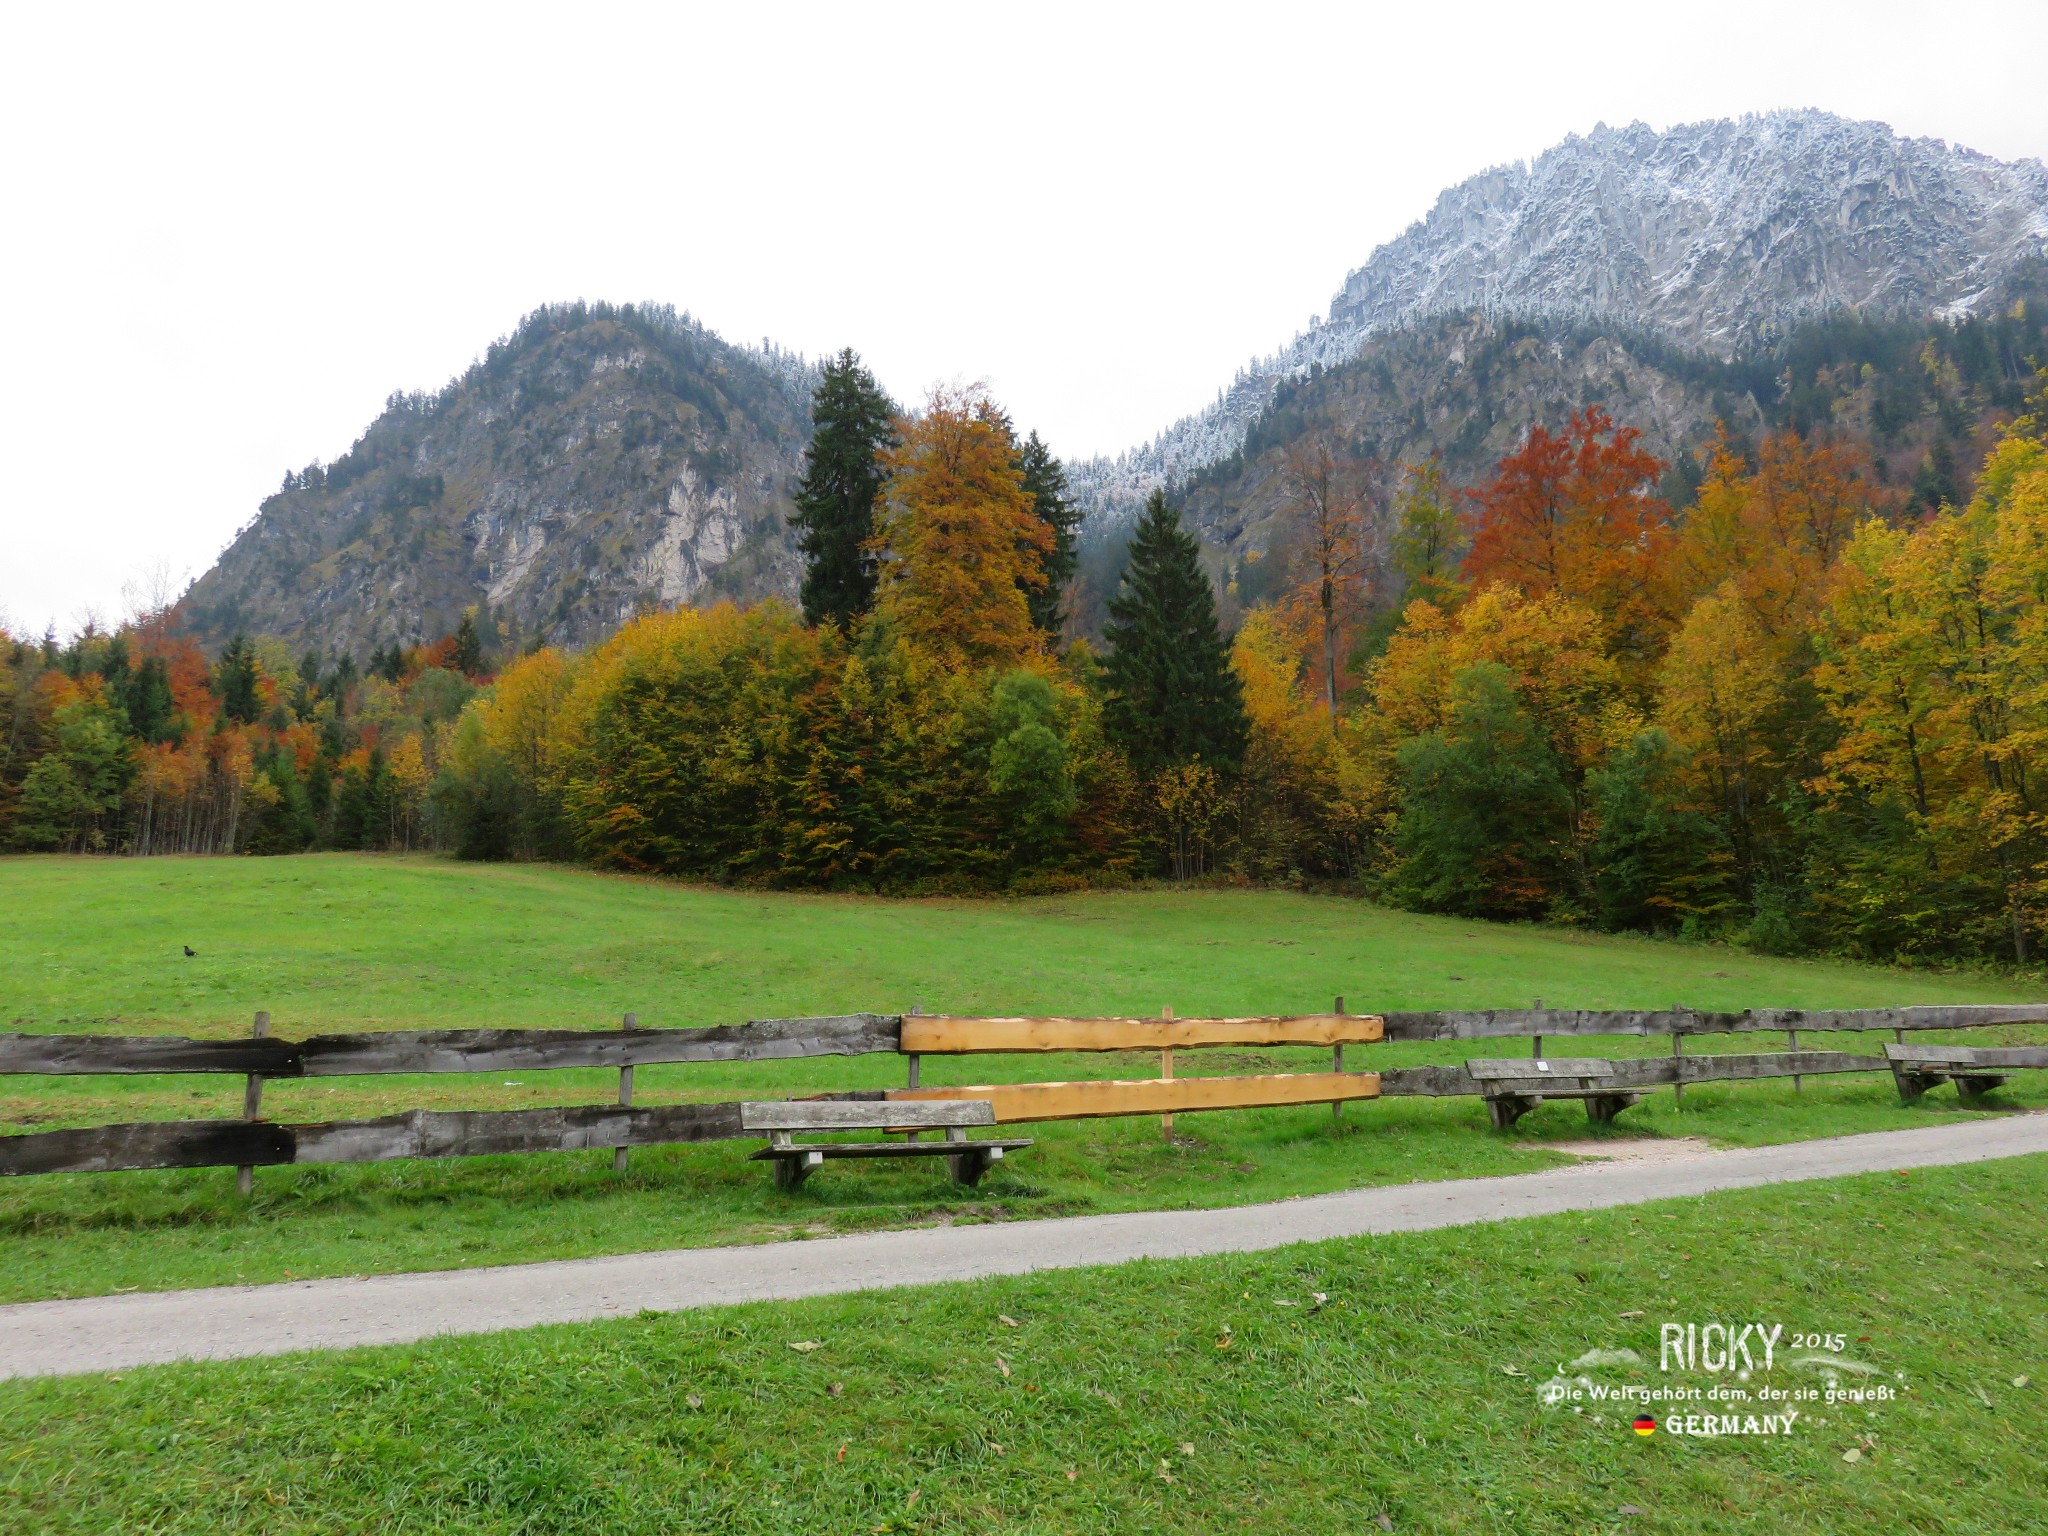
x: 864, y: 1115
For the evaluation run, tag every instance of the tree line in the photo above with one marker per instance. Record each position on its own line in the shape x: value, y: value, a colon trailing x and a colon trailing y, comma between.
x: 1798, y: 712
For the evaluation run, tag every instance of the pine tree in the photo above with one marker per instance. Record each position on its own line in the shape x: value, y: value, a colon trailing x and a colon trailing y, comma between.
x: 467, y: 657
x: 1045, y: 478
x: 236, y: 680
x: 1173, y: 695
x: 853, y: 424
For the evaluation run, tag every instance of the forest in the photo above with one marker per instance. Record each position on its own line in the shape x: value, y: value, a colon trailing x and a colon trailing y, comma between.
x: 1798, y: 712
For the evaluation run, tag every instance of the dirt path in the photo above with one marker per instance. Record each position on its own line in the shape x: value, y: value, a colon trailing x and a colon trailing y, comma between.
x: 47, y: 1338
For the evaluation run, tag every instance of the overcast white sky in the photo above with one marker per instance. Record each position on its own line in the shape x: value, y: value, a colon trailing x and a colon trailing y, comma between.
x: 232, y: 232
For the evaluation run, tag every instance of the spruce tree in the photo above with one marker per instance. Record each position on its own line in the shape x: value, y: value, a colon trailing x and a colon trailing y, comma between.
x: 1045, y: 478
x: 1173, y: 696
x: 467, y: 655
x: 852, y: 421
x: 235, y: 679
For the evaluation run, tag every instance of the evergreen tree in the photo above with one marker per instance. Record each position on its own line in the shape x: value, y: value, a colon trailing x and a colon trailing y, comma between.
x: 235, y: 680
x: 1173, y: 695
x: 148, y: 701
x: 1045, y: 480
x: 468, y: 654
x: 852, y: 422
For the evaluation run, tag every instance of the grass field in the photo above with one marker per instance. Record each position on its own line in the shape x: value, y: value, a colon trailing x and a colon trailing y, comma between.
x: 1194, y: 1396
x: 341, y: 942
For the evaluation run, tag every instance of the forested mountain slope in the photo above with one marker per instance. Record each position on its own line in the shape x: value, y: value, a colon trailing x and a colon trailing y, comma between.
x: 597, y: 461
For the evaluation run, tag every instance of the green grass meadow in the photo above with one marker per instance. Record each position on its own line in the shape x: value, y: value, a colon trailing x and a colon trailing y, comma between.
x: 1193, y: 1396
x: 339, y: 942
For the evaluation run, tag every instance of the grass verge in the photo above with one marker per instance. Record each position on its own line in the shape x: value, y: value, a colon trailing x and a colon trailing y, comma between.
x: 1191, y: 1396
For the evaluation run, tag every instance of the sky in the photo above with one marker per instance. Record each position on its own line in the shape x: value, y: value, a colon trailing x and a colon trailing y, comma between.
x: 231, y: 232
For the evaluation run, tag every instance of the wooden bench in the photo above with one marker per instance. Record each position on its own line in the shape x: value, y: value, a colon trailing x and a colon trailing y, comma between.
x: 1514, y: 1087
x: 1975, y: 1070
x: 968, y: 1160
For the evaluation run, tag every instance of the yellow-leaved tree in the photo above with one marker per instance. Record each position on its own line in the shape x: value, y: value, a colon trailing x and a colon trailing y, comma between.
x: 958, y: 538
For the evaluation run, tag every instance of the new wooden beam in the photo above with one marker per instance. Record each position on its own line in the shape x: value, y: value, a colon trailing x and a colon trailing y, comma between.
x: 1015, y: 1102
x: 941, y: 1035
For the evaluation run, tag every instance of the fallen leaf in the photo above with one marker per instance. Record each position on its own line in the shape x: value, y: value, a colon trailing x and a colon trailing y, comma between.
x: 838, y: 1389
x: 1225, y: 1342
x: 1008, y: 1322
x: 1165, y: 1473
x: 1511, y: 1370
x: 842, y: 1453
x: 1631, y: 1314
x: 1279, y: 1303
x: 1003, y: 1366
x: 1187, y: 1447
x: 1072, y: 1475
x: 693, y: 1401
x: 2019, y: 1381
x: 996, y: 1448
x: 805, y: 1346
x: 1629, y: 1509
x: 1319, y: 1297
x: 1383, y: 1521
x: 1852, y: 1454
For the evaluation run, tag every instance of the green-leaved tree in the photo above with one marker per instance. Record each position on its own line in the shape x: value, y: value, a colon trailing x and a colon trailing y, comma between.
x: 1045, y: 478
x: 1173, y: 697
x: 853, y: 423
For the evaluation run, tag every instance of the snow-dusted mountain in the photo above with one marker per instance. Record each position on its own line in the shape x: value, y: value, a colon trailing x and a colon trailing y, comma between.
x: 1716, y: 236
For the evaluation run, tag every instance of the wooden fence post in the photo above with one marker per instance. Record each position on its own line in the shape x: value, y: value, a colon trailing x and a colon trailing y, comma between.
x: 625, y: 1095
x: 1792, y: 1041
x: 1337, y: 1064
x: 1536, y: 1041
x: 915, y: 1060
x: 252, y: 1103
x: 1166, y: 1074
x: 1677, y: 1051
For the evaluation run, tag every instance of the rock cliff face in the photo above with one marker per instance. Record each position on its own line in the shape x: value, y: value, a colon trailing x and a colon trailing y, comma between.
x: 597, y: 462
x: 1718, y: 238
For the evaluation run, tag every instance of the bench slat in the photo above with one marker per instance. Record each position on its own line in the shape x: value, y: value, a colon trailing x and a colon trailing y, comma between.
x: 1541, y: 1068
x: 872, y: 1115
x: 890, y: 1149
x: 1966, y: 1056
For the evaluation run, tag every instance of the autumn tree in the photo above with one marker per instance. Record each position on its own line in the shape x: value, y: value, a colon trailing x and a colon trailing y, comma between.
x: 1429, y: 535
x: 1173, y: 697
x: 1577, y: 513
x: 960, y: 542
x: 1325, y: 489
x: 1774, y: 530
x: 852, y: 427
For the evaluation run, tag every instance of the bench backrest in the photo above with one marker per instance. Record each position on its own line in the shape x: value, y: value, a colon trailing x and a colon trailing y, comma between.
x: 1969, y: 1055
x: 1540, y: 1067
x: 864, y: 1114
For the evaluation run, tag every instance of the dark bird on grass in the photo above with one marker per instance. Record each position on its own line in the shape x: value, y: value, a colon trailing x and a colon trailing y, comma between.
x: 190, y: 951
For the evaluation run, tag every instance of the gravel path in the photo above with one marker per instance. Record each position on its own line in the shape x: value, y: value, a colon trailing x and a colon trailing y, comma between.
x: 47, y: 1338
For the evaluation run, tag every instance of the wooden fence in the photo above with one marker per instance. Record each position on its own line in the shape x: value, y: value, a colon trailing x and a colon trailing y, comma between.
x: 255, y: 1142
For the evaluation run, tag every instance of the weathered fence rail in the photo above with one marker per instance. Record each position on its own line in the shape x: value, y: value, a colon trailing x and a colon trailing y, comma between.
x: 423, y: 1133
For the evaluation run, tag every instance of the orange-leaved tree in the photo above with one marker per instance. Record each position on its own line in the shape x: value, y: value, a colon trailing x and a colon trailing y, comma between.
x: 1326, y: 488
x: 958, y: 535
x: 1576, y: 514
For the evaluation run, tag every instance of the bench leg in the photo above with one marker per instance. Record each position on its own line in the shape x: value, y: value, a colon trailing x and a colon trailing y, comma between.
x: 967, y: 1167
x: 1912, y: 1084
x: 790, y: 1172
x: 1972, y: 1088
x: 1505, y: 1109
x: 1601, y: 1108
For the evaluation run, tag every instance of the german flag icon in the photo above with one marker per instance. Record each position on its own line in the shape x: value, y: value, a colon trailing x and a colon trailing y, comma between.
x: 1645, y: 1425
